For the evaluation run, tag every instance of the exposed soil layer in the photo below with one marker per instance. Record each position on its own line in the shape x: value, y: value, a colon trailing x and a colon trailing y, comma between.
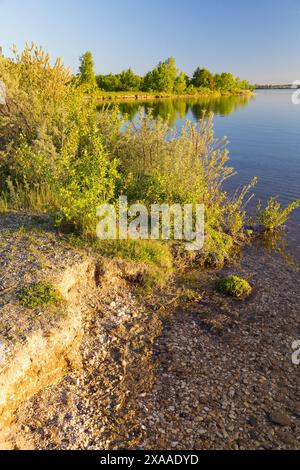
x: 95, y: 408
x: 76, y: 387
x: 37, y: 346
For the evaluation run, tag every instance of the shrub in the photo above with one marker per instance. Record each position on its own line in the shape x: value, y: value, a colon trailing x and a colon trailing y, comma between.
x: 51, y: 152
x: 38, y: 295
x: 234, y: 286
x: 218, y: 247
x: 91, y: 180
x: 159, y: 165
x: 273, y: 215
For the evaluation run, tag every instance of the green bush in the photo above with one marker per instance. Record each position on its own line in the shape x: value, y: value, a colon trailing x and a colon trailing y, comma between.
x: 273, y: 215
x: 91, y: 180
x: 38, y: 295
x: 189, y: 167
x: 234, y: 286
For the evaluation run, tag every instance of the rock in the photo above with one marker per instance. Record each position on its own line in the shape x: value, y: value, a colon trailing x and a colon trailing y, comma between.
x: 280, y: 418
x: 252, y: 421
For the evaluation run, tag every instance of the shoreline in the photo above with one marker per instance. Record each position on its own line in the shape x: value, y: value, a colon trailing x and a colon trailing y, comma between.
x: 206, y: 387
x: 222, y: 381
x: 134, y: 96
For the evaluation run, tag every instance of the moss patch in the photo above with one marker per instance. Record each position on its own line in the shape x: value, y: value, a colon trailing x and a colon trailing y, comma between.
x: 234, y: 286
x: 38, y: 295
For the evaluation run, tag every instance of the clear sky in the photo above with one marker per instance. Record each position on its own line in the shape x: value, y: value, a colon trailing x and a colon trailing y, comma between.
x: 258, y: 40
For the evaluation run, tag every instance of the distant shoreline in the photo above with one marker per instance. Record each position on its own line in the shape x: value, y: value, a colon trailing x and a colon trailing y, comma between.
x: 136, y: 96
x: 276, y: 87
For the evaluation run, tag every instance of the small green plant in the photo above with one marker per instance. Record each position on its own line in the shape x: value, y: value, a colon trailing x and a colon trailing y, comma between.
x: 62, y: 156
x: 39, y: 295
x: 234, y: 286
x: 273, y: 215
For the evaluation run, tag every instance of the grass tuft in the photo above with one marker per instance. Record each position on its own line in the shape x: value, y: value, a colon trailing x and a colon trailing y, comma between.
x: 39, y: 295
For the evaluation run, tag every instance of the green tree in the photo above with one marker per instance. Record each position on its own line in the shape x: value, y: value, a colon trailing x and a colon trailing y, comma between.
x: 243, y: 84
x: 129, y: 81
x: 181, y: 83
x: 226, y: 82
x: 86, y: 69
x: 162, y: 78
x: 203, y: 78
x: 108, y: 82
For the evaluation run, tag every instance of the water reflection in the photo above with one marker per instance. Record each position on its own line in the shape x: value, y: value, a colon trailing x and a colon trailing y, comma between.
x: 276, y: 243
x: 182, y: 108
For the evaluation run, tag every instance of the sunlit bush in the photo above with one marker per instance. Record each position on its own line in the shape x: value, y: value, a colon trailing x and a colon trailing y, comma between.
x: 273, y: 215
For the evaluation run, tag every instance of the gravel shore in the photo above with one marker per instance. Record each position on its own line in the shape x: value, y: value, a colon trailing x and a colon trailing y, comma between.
x: 214, y: 374
x: 225, y: 378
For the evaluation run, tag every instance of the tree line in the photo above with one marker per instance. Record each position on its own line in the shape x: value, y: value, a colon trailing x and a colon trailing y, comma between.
x: 164, y: 78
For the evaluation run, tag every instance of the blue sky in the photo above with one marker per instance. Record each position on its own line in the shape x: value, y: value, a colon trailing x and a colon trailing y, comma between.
x: 257, y: 40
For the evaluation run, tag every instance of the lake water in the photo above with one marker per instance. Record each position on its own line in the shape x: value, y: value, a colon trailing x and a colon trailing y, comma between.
x: 264, y: 141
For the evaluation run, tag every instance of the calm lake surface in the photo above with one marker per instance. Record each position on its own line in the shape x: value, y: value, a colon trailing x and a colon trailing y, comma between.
x: 264, y: 141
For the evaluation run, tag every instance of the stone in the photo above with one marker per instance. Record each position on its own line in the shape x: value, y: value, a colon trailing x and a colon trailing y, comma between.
x: 280, y: 418
x: 252, y: 421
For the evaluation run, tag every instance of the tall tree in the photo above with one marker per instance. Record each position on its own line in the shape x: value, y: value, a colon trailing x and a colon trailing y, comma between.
x: 181, y: 83
x: 129, y: 81
x: 86, y: 69
x: 162, y: 78
x: 226, y: 82
x: 204, y: 78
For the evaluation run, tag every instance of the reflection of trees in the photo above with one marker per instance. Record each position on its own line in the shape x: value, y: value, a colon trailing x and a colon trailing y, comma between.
x: 167, y: 109
x: 222, y: 106
x: 174, y: 109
